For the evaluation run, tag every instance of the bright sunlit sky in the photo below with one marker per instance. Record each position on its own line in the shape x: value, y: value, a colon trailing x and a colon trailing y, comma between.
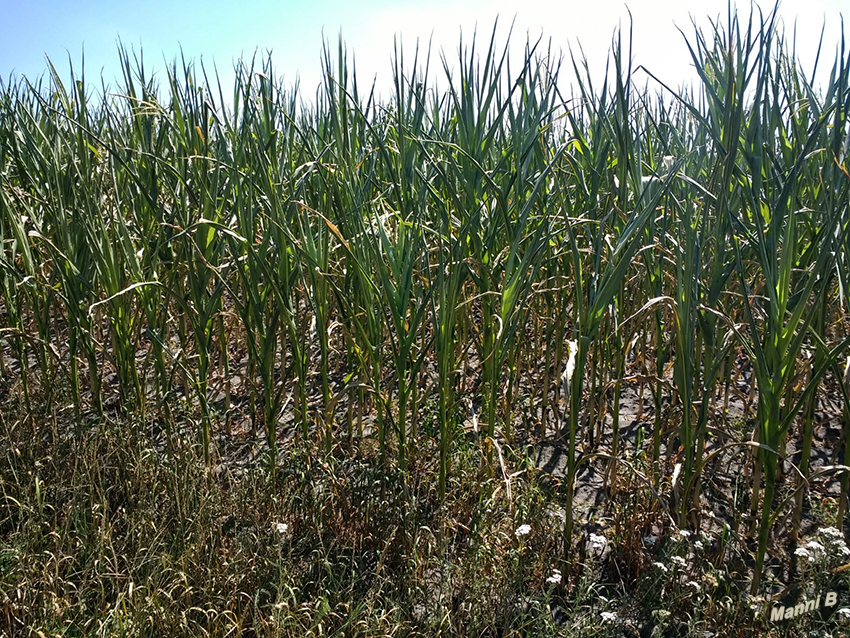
x: 223, y: 31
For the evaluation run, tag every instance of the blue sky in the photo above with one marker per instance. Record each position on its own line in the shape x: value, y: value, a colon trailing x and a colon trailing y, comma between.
x: 293, y: 31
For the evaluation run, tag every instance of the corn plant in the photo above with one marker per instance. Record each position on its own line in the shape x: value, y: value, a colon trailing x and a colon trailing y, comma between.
x: 526, y: 247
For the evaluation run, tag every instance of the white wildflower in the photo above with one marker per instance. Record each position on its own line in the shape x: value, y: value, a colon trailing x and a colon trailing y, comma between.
x: 280, y: 528
x: 609, y: 616
x: 597, y: 541
x: 660, y: 615
x: 678, y: 561
x: 693, y: 584
x: 523, y: 530
x: 660, y: 566
x: 684, y: 533
x: 699, y: 545
x: 555, y: 578
x: 802, y: 552
x: 837, y: 545
x: 815, y: 546
x: 834, y: 540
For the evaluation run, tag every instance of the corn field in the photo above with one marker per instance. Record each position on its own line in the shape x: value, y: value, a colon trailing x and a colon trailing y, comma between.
x: 482, y: 249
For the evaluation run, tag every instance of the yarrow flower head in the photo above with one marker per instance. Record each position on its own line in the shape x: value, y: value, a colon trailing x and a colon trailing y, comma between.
x: 661, y: 567
x: 814, y: 546
x: 523, y: 530
x: 802, y: 552
x: 660, y: 615
x: 609, y: 616
x: 693, y: 584
x: 555, y: 578
x: 280, y: 528
x: 678, y: 561
x: 597, y: 541
x: 834, y: 541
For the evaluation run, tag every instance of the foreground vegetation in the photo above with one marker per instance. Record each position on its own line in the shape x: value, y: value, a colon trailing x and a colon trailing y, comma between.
x: 286, y: 367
